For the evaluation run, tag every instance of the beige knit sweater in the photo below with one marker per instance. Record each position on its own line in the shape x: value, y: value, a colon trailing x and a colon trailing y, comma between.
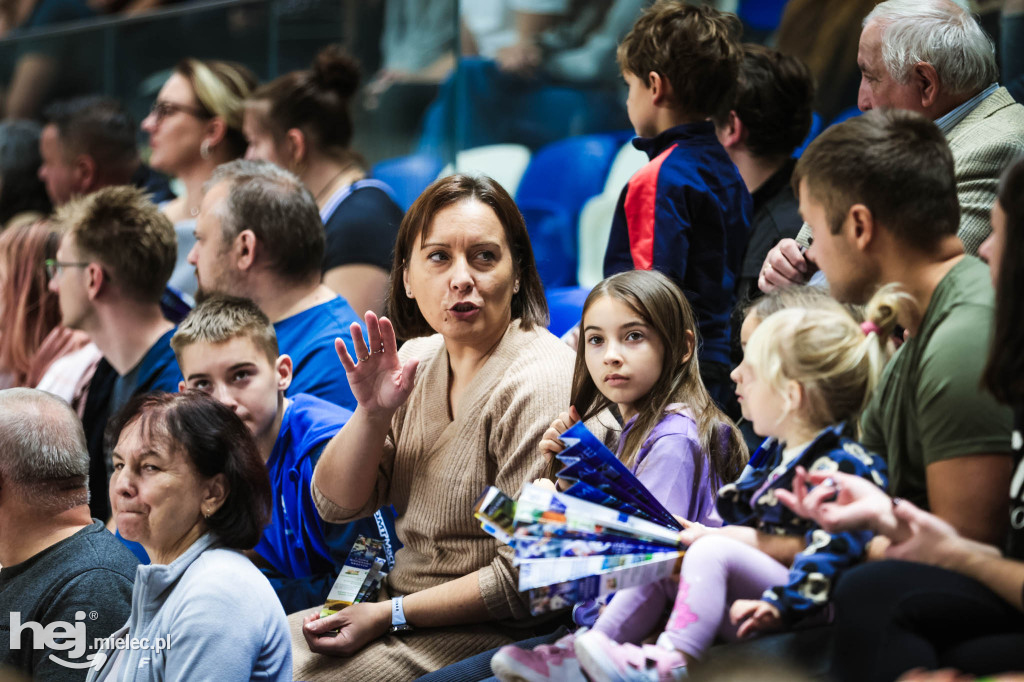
x: 433, y: 469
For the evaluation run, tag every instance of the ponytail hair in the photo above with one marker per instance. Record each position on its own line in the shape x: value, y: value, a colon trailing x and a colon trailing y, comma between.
x: 314, y: 101
x: 661, y: 305
x: 836, y: 361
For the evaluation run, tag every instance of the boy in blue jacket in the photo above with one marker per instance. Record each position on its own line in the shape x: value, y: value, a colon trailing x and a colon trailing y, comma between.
x: 227, y: 347
x: 687, y: 212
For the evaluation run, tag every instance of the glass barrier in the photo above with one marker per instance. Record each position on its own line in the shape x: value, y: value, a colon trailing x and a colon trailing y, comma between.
x: 559, y: 82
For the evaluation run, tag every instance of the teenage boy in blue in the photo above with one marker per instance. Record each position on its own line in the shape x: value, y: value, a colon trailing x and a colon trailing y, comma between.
x: 687, y: 212
x: 227, y: 347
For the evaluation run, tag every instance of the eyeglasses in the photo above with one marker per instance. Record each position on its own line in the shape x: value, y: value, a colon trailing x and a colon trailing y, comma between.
x: 56, y: 267
x: 161, y: 110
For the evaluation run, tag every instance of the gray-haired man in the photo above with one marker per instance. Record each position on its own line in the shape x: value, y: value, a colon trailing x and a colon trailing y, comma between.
x: 65, y: 579
x: 932, y: 57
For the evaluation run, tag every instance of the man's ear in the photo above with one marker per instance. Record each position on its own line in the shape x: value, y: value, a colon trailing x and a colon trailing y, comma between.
x: 926, y: 80
x: 181, y: 387
x: 283, y: 369
x: 84, y: 173
x: 861, y: 225
x: 95, y: 280
x: 245, y: 250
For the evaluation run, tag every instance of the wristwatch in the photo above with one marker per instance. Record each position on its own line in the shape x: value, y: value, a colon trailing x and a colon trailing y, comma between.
x: 398, y: 624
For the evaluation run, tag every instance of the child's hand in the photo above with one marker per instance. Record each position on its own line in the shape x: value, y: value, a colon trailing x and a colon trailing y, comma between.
x: 545, y: 483
x: 692, y: 531
x: 755, y: 616
x: 550, y: 445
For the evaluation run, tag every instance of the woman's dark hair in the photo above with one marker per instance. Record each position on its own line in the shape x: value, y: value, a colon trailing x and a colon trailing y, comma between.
x: 1004, y: 375
x: 216, y: 442
x: 315, y: 101
x: 529, y: 305
x: 21, y: 190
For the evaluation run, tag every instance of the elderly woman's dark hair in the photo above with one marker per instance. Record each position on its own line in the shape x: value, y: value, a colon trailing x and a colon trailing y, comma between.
x: 1004, y: 375
x: 21, y: 190
x: 529, y: 305
x: 216, y: 442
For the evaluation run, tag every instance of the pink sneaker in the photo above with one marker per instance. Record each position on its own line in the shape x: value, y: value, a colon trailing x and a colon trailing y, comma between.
x: 544, y: 662
x: 604, y: 660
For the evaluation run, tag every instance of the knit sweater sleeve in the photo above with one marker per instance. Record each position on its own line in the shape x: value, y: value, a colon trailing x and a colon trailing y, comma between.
x: 530, y: 399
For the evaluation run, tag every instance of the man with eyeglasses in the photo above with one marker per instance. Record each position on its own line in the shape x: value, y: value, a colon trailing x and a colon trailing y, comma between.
x: 115, y: 257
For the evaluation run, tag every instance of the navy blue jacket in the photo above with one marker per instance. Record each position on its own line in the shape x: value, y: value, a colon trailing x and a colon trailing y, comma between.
x: 687, y: 214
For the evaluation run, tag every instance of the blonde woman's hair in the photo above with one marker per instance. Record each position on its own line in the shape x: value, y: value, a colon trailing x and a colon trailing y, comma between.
x: 221, y: 89
x: 836, y: 361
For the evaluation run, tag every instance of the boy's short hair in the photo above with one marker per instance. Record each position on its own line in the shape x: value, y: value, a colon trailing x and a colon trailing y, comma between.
x: 122, y: 229
x: 895, y: 162
x: 696, y: 49
x: 774, y: 96
x: 220, y: 318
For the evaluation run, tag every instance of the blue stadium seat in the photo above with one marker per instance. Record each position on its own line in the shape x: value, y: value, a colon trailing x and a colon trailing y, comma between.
x: 763, y: 15
x: 565, y: 305
x: 817, y: 125
x: 408, y: 176
x: 559, y: 179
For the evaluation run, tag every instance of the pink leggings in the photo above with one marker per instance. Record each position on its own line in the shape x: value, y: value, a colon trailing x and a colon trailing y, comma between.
x: 716, y: 571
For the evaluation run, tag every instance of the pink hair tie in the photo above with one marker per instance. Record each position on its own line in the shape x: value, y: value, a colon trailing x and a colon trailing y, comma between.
x: 868, y: 327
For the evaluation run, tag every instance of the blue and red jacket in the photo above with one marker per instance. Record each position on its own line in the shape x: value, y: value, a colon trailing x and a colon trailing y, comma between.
x: 687, y: 214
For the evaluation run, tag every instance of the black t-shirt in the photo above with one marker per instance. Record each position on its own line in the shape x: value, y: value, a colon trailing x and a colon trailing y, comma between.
x: 363, y: 228
x: 1015, y: 542
x: 86, y: 578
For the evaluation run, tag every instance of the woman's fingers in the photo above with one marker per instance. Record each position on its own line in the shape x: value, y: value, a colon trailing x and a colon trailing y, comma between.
x: 373, y: 335
x: 358, y: 344
x: 346, y: 360
x: 387, y: 334
x: 573, y: 414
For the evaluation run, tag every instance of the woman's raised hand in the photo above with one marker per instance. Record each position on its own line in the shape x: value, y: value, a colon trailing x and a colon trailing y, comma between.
x: 379, y: 381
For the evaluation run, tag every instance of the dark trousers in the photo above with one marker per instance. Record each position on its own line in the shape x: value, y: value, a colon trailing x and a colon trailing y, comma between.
x: 892, y: 616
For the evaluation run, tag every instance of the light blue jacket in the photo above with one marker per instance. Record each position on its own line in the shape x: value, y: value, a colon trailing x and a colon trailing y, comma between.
x: 216, y: 616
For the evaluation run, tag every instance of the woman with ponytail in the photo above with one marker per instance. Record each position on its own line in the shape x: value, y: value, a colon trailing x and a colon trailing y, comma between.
x: 301, y: 122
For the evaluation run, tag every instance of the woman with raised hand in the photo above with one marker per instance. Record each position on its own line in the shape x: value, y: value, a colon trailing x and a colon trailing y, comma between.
x: 462, y: 407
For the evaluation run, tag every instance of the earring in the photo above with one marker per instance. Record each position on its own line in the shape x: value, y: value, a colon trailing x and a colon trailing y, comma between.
x: 408, y: 293
x: 204, y: 149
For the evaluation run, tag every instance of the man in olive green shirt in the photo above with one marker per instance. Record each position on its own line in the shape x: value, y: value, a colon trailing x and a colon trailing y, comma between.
x: 879, y: 193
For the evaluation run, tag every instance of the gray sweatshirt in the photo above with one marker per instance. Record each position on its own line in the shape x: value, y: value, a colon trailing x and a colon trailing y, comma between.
x: 208, y: 615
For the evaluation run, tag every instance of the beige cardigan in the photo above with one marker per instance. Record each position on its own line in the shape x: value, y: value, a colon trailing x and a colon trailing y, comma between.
x: 433, y: 469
